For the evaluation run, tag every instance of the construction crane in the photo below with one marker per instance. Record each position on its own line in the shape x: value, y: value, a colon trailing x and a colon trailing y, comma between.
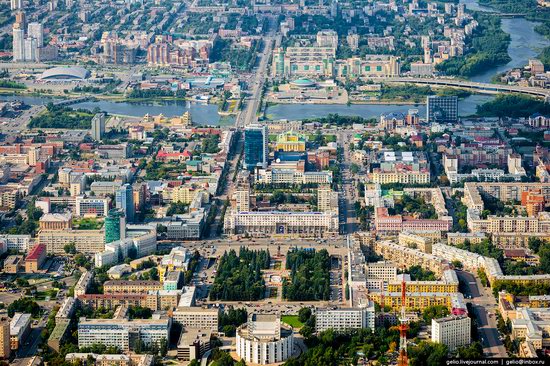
x: 403, y: 326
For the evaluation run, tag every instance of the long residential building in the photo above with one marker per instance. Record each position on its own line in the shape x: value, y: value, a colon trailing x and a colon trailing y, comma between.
x: 130, y: 287
x: 154, y: 300
x: 319, y: 61
x: 403, y: 256
x: 85, y: 241
x: 343, y: 319
x: 122, y: 333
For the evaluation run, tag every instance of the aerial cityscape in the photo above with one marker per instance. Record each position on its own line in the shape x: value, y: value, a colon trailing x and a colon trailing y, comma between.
x: 274, y: 182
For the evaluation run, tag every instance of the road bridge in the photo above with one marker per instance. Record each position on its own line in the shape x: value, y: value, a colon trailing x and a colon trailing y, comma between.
x: 480, y: 87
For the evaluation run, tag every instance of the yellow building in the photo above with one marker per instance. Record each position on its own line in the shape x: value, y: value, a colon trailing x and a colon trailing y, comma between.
x: 415, y: 301
x: 5, y: 348
x: 424, y: 286
x: 184, y: 194
x: 291, y: 141
x: 130, y: 287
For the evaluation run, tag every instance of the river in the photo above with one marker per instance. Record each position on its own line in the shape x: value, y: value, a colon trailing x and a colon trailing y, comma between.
x: 203, y: 114
x: 525, y: 43
x: 466, y: 107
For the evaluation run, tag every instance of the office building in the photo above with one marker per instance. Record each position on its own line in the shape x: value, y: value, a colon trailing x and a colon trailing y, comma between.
x: 345, y: 318
x: 291, y: 224
x: 122, y: 333
x: 264, y: 340
x: 124, y: 199
x: 256, y: 149
x: 20, y: 327
x: 115, y: 226
x: 191, y: 317
x: 291, y: 141
x: 85, y: 206
x: 98, y: 126
x: 5, y: 339
x: 193, y: 344
x: 452, y: 331
x: 442, y: 109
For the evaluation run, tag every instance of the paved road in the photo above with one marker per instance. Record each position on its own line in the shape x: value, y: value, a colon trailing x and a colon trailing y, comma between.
x: 348, y: 191
x: 248, y: 115
x: 485, y: 307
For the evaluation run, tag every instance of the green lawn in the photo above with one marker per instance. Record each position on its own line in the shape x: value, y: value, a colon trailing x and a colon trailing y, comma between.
x: 292, y: 320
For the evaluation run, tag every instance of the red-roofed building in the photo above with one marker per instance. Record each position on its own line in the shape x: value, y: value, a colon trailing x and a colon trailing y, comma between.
x: 35, y: 258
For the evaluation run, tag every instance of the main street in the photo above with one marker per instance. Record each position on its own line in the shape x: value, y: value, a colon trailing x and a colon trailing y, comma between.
x: 248, y: 115
x: 484, y: 307
x: 348, y: 194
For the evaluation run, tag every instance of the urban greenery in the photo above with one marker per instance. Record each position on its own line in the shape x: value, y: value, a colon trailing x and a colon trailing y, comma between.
x: 309, y: 275
x: 239, y: 276
x: 62, y: 117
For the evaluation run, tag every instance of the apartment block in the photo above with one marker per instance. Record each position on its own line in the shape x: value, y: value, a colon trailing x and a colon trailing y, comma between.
x: 452, y: 331
x: 343, y: 319
x: 122, y: 333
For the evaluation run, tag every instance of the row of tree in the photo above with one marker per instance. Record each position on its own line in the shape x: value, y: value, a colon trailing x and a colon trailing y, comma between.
x: 309, y: 276
x: 239, y: 276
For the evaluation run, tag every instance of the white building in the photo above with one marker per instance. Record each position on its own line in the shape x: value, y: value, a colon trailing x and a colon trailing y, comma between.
x: 20, y: 326
x: 98, y: 126
x: 67, y: 308
x: 142, y: 239
x: 18, y: 45
x: 19, y: 243
x: 264, y: 340
x: 119, y: 332
x: 345, y: 318
x: 83, y: 284
x: 191, y: 317
x: 91, y: 206
x: 16, y: 4
x: 36, y: 31
x: 299, y: 224
x: 453, y: 331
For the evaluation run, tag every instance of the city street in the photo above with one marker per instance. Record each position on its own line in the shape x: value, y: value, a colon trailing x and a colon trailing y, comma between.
x: 485, y: 308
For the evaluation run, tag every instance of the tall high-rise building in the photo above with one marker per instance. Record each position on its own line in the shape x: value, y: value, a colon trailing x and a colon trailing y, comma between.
x: 16, y: 4
x: 98, y: 126
x: 115, y: 226
x: 18, y: 44
x: 256, y: 147
x: 442, y: 109
x: 5, y: 346
x: 30, y: 49
x: 20, y: 20
x: 36, y: 31
x: 124, y: 199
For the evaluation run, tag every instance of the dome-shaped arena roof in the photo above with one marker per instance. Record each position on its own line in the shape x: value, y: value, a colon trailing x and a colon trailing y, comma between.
x: 65, y: 72
x: 303, y: 83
